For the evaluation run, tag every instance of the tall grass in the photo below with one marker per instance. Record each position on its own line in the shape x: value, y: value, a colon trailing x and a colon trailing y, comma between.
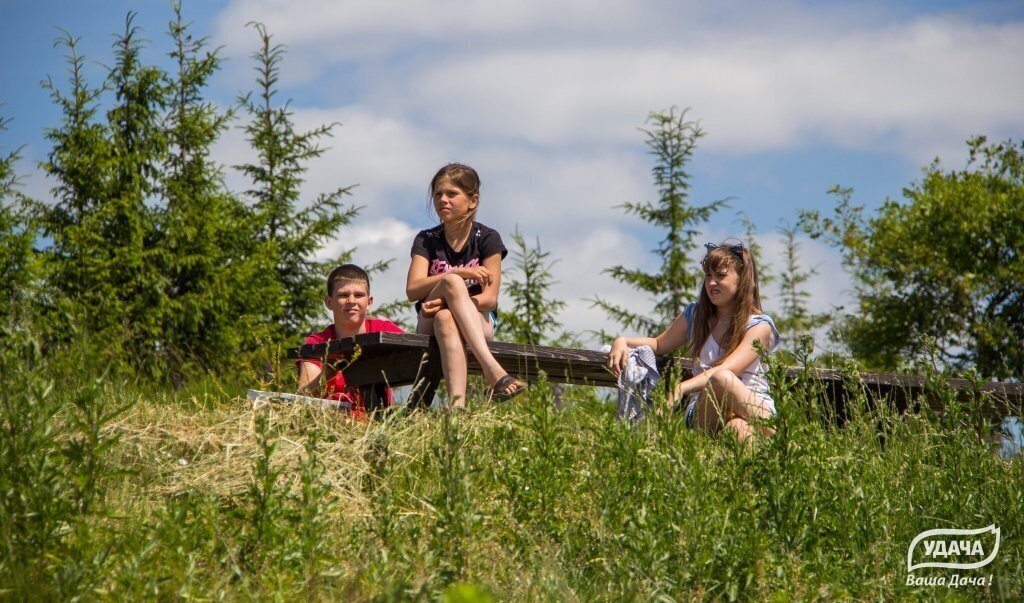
x: 112, y: 490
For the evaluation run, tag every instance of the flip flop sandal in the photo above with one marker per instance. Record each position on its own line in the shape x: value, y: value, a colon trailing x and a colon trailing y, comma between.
x: 500, y: 393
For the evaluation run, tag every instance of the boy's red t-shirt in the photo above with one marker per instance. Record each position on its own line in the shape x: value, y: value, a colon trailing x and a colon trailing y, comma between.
x: 335, y: 388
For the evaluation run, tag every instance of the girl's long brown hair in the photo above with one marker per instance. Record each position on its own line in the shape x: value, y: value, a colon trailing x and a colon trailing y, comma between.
x: 748, y: 297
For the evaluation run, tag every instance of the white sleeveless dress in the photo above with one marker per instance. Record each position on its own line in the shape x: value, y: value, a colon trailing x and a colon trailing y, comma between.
x: 754, y: 376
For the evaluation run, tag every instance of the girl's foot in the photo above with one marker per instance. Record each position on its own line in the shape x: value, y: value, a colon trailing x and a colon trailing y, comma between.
x: 506, y: 388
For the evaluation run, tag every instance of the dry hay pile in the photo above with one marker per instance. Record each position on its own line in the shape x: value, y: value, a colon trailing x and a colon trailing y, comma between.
x: 178, y: 448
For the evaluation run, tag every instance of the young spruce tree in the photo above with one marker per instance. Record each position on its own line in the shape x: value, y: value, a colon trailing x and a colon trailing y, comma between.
x: 17, y: 234
x: 672, y: 140
x: 79, y: 158
x: 765, y: 276
x: 214, y: 286
x: 531, y: 320
x: 105, y: 239
x: 286, y: 230
x: 796, y: 321
x: 133, y: 285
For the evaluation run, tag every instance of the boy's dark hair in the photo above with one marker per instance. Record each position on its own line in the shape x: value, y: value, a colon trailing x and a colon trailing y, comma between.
x: 347, y: 272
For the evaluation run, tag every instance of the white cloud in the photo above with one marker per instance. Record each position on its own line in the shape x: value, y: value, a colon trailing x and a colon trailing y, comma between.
x: 389, y: 161
x: 902, y: 88
x: 374, y: 240
x: 355, y: 29
x: 582, y: 256
x: 555, y: 75
x: 545, y: 100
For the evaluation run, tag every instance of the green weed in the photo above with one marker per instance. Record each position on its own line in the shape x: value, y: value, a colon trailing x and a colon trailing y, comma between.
x: 128, y: 491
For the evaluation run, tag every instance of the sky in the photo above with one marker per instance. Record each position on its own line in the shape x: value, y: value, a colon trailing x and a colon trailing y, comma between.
x: 547, y: 100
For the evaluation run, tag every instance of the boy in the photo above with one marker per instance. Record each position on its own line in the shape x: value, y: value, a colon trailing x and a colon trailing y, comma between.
x: 348, y: 299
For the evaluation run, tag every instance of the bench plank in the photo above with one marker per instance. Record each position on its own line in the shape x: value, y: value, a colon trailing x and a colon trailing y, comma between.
x: 400, y: 358
x: 387, y: 357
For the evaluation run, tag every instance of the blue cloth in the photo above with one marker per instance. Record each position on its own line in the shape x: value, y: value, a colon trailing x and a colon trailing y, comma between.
x: 690, y: 409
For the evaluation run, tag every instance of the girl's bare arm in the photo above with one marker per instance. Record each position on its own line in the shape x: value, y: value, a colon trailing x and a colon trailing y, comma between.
x: 487, y: 299
x: 740, y: 358
x: 419, y: 285
x: 672, y: 338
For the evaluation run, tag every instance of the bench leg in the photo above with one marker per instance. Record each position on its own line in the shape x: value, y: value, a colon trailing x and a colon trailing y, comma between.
x: 428, y: 377
x: 374, y: 398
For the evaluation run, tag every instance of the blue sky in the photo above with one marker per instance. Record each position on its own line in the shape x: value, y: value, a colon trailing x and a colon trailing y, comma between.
x: 545, y: 98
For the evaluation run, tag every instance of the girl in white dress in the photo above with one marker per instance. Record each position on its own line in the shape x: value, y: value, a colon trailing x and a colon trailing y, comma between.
x: 728, y: 388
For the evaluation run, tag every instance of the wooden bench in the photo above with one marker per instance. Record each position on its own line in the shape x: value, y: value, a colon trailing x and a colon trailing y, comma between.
x: 375, y: 359
x: 395, y: 359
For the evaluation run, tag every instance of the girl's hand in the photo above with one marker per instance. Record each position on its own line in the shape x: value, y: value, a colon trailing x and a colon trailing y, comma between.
x: 475, y: 273
x: 618, y: 356
x: 430, y: 308
x: 674, y: 395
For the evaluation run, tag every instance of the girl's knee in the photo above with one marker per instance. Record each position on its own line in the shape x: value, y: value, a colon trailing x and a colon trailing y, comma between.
x: 722, y: 378
x: 453, y: 283
x: 736, y: 423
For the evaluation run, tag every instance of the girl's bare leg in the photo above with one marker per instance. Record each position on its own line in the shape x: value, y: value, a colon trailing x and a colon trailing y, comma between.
x: 453, y: 352
x: 452, y: 289
x: 740, y: 427
x: 728, y: 403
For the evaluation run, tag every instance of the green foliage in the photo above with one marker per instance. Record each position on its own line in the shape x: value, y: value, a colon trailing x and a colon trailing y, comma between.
x: 795, y: 320
x: 213, y: 499
x: 34, y: 494
x: 119, y: 240
x: 672, y: 141
x: 55, y: 472
x: 261, y: 533
x: 946, y: 266
x: 79, y: 162
x: 534, y: 471
x: 532, y: 317
x: 147, y: 250
x: 215, y: 287
x: 17, y: 233
x: 106, y: 243
x: 453, y: 515
x: 315, y: 503
x: 287, y: 234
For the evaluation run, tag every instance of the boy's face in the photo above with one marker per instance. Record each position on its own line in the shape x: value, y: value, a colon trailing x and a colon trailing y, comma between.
x: 349, y: 303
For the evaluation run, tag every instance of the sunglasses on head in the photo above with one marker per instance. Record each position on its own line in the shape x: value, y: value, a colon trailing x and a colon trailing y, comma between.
x: 736, y: 249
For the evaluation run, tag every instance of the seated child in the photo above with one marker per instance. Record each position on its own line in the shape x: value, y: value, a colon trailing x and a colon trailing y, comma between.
x: 348, y: 299
x: 728, y: 388
x: 454, y: 278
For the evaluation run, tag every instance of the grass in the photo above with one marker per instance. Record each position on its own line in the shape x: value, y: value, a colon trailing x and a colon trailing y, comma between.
x: 112, y: 491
